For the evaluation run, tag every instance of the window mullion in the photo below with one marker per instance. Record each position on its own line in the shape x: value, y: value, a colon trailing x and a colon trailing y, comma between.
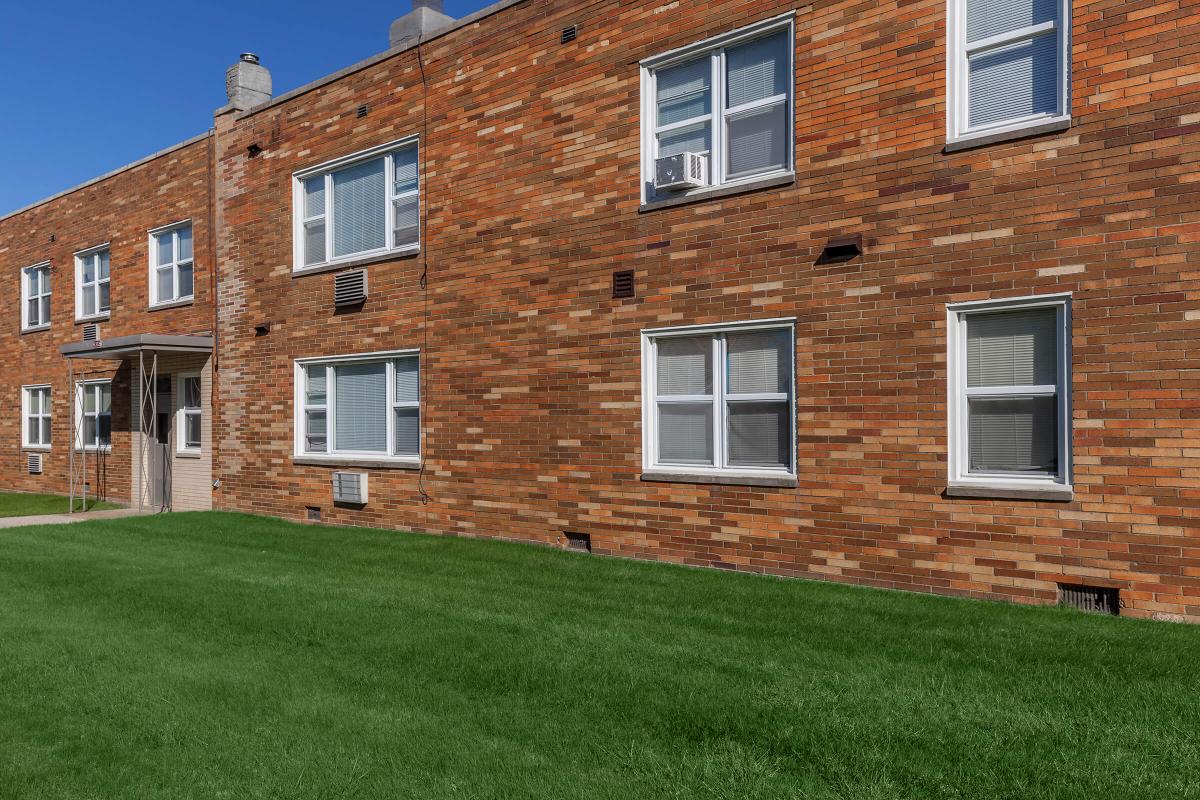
x: 328, y: 178
x: 717, y: 98
x: 389, y: 391
x: 719, y: 457
x: 330, y: 409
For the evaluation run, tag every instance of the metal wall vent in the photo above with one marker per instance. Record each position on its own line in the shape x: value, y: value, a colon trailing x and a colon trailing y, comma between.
x: 569, y: 34
x: 91, y: 333
x: 350, y: 487
x: 623, y: 285
x: 362, y: 110
x: 35, y: 463
x: 350, y: 288
x: 578, y: 541
x: 1095, y: 599
x: 313, y: 513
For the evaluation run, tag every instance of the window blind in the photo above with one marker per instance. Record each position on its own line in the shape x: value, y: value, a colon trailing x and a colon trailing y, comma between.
x: 756, y: 70
x: 758, y: 362
x: 408, y: 431
x: 991, y: 17
x: 683, y: 91
x: 1013, y: 348
x: 1013, y: 81
x: 758, y: 140
x: 359, y: 210
x: 316, y: 392
x: 408, y: 383
x: 360, y: 402
x: 685, y: 365
x: 1017, y: 435
x: 758, y: 434
x: 685, y: 433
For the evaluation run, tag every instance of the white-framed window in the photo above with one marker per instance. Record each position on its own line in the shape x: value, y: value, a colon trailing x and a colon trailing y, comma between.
x: 1010, y: 393
x: 1009, y: 66
x: 728, y: 99
x: 92, y: 283
x: 93, y: 409
x: 172, y: 270
x: 719, y: 399
x: 35, y: 297
x: 35, y: 417
x: 190, y: 416
x: 361, y: 205
x: 364, y: 407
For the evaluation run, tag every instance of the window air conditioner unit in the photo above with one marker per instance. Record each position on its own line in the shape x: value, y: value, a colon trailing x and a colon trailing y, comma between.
x: 682, y: 171
x: 350, y: 487
x: 35, y: 463
x: 350, y: 288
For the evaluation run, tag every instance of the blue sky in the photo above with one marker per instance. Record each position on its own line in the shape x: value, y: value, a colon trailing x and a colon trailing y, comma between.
x: 91, y: 85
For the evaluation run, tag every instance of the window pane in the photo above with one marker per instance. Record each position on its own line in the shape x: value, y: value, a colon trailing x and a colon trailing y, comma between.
x: 757, y: 70
x: 1013, y: 348
x: 360, y: 397
x: 35, y: 401
x: 44, y: 309
x: 89, y: 431
x: 88, y: 268
x: 408, y: 432
x: 166, y: 285
x: 191, y: 393
x: 759, y: 362
x: 185, y: 280
x: 692, y: 139
x: 185, y: 243
x: 105, y: 398
x: 684, y: 90
x: 104, y: 299
x: 1013, y: 81
x: 989, y: 17
x: 408, y: 383
x: 164, y: 249
x: 407, y: 221
x: 315, y: 390
x: 105, y: 430
x: 405, y: 177
x: 104, y: 265
x: 89, y: 399
x: 685, y: 365
x: 685, y: 434
x: 34, y: 304
x: 315, y: 432
x: 314, y: 242
x: 89, y: 301
x: 314, y: 197
x: 45, y: 426
x: 359, y: 210
x: 758, y: 141
x: 1017, y: 435
x: 191, y: 430
x: 759, y: 434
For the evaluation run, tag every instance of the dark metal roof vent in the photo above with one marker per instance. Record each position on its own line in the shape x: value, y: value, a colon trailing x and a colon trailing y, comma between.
x: 91, y: 333
x: 1094, y: 599
x: 582, y: 542
x: 350, y: 288
x: 623, y: 286
x: 569, y: 34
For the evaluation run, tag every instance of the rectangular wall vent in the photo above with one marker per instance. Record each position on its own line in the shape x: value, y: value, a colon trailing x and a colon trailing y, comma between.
x: 569, y: 34
x: 312, y: 513
x: 35, y: 463
x: 578, y: 541
x: 91, y: 333
x: 362, y: 110
x: 350, y: 487
x: 1095, y: 599
x: 350, y: 288
x: 623, y: 284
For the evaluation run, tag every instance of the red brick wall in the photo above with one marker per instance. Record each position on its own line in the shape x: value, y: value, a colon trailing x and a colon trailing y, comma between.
x: 532, y: 421
x: 120, y: 210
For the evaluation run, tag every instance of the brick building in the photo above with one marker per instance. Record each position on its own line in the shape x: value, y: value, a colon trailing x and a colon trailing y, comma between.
x: 895, y: 294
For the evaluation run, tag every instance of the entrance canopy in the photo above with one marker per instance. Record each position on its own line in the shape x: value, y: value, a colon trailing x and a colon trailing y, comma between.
x: 124, y: 347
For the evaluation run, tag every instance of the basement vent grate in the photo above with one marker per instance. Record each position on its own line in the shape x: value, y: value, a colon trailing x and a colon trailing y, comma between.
x: 1095, y: 599
x: 350, y: 288
x: 35, y: 463
x: 362, y: 110
x: 581, y: 542
x: 569, y: 34
x: 313, y: 513
x: 623, y: 284
x: 91, y: 333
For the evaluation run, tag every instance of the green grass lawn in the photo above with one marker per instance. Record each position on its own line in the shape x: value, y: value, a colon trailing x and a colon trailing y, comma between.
x: 21, y: 504
x: 226, y: 656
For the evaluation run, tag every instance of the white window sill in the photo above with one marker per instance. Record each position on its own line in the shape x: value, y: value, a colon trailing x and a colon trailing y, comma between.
x: 1011, y: 490
x: 967, y: 141
x: 358, y: 462
x: 756, y: 183
x: 183, y: 301
x: 355, y: 261
x: 189, y: 453
x: 93, y: 318
x: 38, y: 448
x: 36, y: 328
x: 102, y: 451
x: 666, y: 475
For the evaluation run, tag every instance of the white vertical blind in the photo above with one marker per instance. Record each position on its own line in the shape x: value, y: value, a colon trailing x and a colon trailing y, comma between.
x: 359, y: 208
x: 685, y: 365
x: 360, y: 403
x: 1013, y: 348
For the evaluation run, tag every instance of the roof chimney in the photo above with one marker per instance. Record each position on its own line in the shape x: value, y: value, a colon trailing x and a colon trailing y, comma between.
x: 247, y: 83
x: 423, y: 21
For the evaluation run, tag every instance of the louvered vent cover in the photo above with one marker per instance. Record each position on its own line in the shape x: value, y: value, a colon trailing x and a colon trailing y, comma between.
x: 623, y: 284
x: 1096, y: 599
x: 350, y: 487
x: 569, y: 34
x: 578, y: 541
x: 91, y: 333
x: 350, y: 288
x: 35, y: 463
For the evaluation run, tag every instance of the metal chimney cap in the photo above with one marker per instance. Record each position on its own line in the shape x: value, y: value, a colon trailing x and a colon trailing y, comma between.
x: 432, y: 5
x: 250, y: 58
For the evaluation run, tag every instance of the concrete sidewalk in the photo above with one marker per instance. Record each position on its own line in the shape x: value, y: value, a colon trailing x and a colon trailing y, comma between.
x: 60, y: 519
